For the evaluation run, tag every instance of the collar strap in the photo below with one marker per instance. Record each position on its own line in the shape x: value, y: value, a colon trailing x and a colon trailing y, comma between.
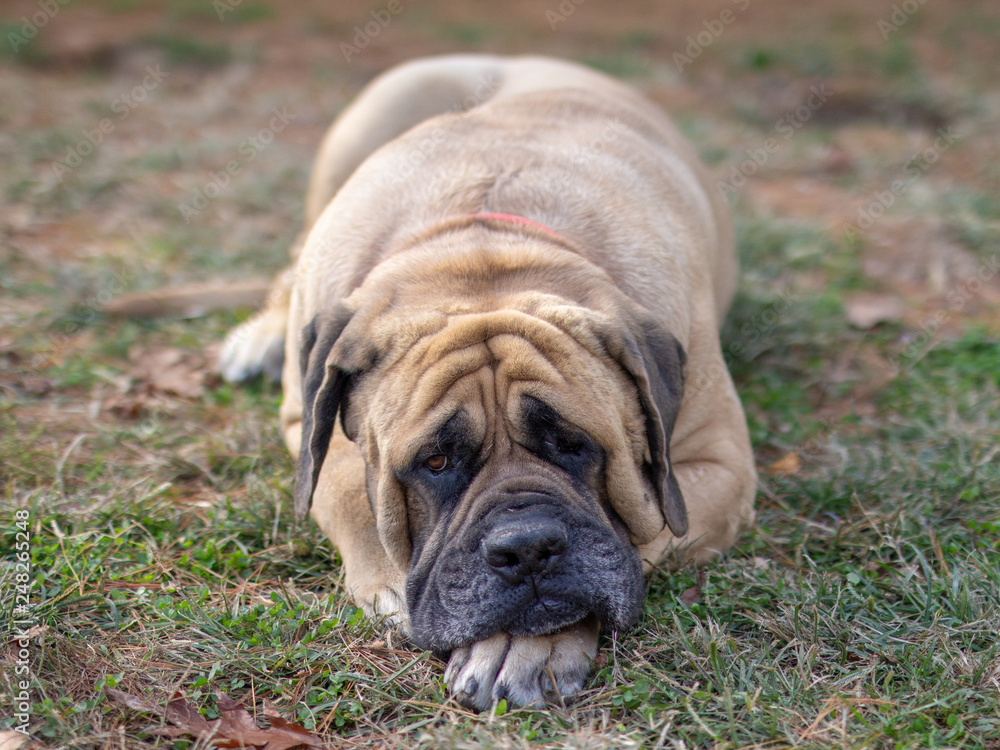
x: 521, y: 221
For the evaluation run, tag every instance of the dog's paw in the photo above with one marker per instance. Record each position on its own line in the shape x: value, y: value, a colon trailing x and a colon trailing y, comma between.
x: 524, y: 670
x: 256, y: 346
x: 390, y: 605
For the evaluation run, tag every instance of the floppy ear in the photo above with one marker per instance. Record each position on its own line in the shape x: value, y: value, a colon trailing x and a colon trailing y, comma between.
x: 324, y: 385
x: 655, y: 360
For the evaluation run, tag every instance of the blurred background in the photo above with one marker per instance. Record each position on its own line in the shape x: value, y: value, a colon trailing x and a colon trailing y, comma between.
x: 849, y: 92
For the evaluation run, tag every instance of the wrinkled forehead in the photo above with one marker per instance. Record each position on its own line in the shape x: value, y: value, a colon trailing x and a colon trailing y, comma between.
x: 482, y: 368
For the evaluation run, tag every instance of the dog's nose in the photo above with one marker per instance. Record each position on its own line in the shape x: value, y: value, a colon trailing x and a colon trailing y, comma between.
x: 522, y: 547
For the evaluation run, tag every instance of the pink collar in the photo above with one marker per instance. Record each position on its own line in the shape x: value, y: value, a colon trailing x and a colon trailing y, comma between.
x: 520, y: 221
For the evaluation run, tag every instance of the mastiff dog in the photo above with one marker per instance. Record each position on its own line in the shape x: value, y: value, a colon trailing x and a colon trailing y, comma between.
x: 502, y: 376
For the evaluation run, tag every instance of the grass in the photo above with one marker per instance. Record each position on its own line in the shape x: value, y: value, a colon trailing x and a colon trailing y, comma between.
x: 861, y: 611
x: 184, y: 49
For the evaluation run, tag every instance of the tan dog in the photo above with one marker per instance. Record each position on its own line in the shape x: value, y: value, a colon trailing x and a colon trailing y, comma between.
x: 508, y: 264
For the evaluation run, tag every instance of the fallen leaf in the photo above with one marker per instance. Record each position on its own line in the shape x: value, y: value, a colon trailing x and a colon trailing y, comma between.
x: 36, y: 385
x: 289, y: 734
x: 866, y: 310
x: 187, y: 717
x: 693, y: 594
x: 786, y: 465
x: 134, y: 702
x: 11, y: 740
x: 169, y: 370
x: 37, y: 630
x: 129, y: 406
x: 235, y: 727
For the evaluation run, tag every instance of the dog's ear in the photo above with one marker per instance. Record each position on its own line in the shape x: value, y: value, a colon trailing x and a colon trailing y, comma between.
x: 326, y: 362
x: 655, y: 359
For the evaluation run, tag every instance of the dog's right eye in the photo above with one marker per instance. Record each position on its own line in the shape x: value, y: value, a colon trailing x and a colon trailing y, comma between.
x: 437, y: 463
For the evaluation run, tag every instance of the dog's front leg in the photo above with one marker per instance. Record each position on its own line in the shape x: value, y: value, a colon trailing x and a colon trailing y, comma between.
x: 714, y: 464
x: 341, y: 509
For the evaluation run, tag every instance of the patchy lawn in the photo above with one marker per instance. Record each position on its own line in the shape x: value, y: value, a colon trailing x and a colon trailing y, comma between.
x: 147, y: 505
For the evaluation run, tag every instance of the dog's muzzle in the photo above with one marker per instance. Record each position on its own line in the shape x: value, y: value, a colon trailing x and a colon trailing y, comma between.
x: 530, y: 566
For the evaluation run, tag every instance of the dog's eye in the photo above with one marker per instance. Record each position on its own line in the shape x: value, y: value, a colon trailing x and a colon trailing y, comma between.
x: 437, y: 463
x: 569, y: 447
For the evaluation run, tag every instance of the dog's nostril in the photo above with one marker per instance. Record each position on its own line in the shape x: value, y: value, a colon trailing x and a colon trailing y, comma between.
x: 523, y: 547
x: 500, y: 559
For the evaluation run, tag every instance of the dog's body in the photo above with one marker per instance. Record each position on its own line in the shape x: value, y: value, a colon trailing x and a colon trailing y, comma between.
x: 514, y: 425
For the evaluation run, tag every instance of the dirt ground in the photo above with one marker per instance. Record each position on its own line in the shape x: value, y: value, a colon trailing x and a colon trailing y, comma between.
x: 180, y: 87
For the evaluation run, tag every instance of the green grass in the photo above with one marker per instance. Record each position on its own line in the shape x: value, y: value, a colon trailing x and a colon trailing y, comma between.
x: 862, y: 611
x: 229, y: 11
x: 184, y: 49
x: 624, y: 64
x: 16, y: 46
x: 808, y: 60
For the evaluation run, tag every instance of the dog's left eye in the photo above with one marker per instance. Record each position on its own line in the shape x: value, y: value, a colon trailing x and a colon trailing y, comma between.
x: 437, y: 463
x: 568, y: 447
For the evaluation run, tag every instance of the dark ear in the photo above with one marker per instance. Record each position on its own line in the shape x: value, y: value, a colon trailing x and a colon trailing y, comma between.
x: 324, y: 385
x: 656, y: 360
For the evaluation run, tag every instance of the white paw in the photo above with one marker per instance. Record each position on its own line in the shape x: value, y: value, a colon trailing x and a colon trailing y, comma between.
x: 390, y: 605
x: 258, y: 345
x: 524, y: 670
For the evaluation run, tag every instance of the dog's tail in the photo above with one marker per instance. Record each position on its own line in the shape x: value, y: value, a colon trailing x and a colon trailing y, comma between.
x: 190, y: 301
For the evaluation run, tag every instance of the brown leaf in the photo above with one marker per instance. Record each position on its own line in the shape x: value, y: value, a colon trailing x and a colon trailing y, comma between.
x: 180, y: 712
x: 235, y: 727
x: 11, y: 740
x: 288, y: 734
x: 36, y: 385
x: 134, y: 702
x: 866, y: 310
x: 129, y: 406
x: 786, y: 465
x: 170, y: 370
x: 692, y: 595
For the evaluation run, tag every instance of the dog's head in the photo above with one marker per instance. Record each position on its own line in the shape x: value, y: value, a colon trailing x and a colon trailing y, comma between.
x: 516, y: 442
